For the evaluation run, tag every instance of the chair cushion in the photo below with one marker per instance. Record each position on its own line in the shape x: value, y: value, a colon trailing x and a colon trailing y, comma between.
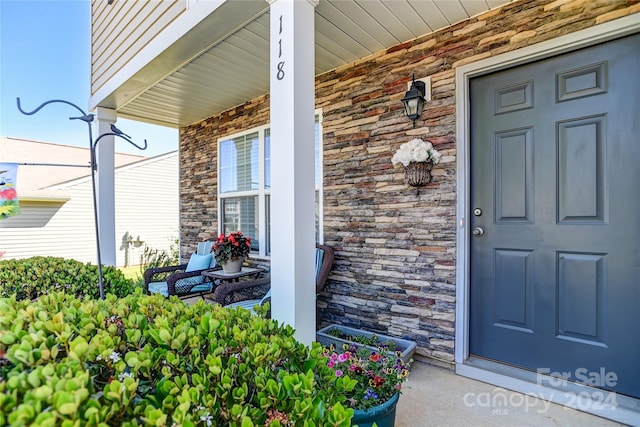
x: 162, y: 288
x: 246, y: 304
x: 204, y: 248
x: 250, y: 303
x: 199, y: 262
x: 159, y: 288
x: 203, y: 287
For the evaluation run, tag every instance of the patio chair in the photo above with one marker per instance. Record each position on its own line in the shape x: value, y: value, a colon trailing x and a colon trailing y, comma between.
x: 184, y: 280
x: 250, y: 293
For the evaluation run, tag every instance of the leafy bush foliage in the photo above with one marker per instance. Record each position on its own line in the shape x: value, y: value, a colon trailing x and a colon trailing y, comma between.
x: 146, y: 360
x: 30, y: 278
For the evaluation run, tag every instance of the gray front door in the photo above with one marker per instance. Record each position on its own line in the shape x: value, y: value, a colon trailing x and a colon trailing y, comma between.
x: 555, y: 201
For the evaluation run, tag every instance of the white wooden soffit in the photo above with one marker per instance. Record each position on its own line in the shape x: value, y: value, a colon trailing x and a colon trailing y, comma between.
x: 234, y: 67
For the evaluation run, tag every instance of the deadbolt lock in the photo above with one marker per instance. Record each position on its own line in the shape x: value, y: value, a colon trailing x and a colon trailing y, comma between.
x: 477, y: 211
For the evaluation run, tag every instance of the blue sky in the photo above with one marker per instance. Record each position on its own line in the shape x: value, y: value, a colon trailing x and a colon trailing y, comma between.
x: 45, y: 54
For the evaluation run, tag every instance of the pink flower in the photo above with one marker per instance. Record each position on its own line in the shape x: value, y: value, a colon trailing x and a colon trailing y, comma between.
x: 338, y: 372
x: 344, y: 357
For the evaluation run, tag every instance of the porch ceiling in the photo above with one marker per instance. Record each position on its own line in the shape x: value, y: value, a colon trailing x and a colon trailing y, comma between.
x: 235, y: 69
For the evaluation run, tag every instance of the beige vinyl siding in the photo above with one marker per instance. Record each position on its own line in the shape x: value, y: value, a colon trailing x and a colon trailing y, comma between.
x: 52, y: 229
x: 136, y: 24
x: 146, y: 204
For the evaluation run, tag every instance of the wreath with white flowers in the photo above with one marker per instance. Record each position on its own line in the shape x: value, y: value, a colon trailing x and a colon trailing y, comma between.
x: 416, y: 151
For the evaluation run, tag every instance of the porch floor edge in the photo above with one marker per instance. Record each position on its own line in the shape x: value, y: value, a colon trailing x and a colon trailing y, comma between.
x: 619, y: 408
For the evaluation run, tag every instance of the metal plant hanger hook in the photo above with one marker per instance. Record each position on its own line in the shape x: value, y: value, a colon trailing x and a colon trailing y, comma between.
x: 114, y: 132
x: 88, y: 119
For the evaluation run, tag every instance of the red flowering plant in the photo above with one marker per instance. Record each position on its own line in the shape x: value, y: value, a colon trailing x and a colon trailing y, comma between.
x: 8, y: 194
x: 231, y: 246
x: 369, y: 378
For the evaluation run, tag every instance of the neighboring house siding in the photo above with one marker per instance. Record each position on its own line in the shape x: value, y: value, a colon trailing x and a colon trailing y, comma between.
x: 52, y: 229
x: 146, y: 204
x: 138, y: 22
x: 395, y: 246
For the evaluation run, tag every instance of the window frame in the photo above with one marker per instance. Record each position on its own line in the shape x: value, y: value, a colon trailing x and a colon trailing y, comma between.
x: 262, y: 192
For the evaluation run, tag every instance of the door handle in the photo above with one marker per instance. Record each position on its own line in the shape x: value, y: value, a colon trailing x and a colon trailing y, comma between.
x: 478, y: 231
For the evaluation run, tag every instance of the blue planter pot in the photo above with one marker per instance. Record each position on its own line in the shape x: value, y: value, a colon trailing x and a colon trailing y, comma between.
x: 383, y: 415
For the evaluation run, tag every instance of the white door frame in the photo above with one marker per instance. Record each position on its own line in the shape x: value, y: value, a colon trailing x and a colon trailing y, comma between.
x: 627, y: 409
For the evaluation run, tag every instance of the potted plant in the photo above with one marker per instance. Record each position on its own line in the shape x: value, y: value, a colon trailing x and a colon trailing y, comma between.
x: 231, y: 250
x: 417, y: 157
x: 339, y: 335
x: 373, y: 382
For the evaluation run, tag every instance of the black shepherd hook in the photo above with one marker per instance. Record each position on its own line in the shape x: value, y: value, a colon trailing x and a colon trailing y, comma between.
x: 85, y: 117
x: 114, y: 132
x: 88, y: 119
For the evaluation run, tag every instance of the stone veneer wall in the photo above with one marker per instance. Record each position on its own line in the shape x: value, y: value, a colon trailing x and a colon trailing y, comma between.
x: 395, y: 246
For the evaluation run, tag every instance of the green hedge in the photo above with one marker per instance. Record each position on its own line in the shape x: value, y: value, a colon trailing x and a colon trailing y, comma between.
x: 146, y: 360
x: 30, y: 278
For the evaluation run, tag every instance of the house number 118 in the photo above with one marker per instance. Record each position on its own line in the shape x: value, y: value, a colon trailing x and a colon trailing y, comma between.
x: 280, y: 72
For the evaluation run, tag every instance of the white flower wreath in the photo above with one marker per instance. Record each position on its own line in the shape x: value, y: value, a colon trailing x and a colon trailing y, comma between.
x: 416, y: 150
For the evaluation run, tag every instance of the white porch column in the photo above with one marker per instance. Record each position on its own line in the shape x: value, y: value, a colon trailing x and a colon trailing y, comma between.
x: 292, y: 165
x: 105, y: 186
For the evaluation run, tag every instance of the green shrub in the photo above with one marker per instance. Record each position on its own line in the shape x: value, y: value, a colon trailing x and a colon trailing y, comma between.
x: 30, y: 278
x: 146, y: 360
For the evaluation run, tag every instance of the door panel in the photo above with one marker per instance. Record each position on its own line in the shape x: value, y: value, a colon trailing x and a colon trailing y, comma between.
x: 513, y: 176
x: 581, y: 297
x: 555, y: 278
x: 581, y: 169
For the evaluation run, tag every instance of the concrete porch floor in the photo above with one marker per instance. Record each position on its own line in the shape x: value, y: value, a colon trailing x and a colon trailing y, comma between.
x: 434, y: 396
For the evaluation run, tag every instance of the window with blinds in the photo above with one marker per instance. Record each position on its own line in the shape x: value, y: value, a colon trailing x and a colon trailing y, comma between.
x: 245, y: 184
x: 239, y: 161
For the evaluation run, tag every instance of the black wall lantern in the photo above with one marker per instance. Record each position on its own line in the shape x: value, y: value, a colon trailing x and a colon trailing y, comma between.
x: 414, y: 100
